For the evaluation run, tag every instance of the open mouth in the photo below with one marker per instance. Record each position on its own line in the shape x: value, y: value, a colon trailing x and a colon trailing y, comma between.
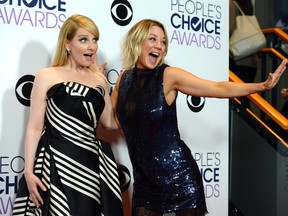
x: 153, y: 57
x: 88, y: 56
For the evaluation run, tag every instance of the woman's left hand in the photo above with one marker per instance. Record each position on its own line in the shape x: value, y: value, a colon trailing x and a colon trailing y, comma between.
x: 95, y: 67
x: 273, y: 79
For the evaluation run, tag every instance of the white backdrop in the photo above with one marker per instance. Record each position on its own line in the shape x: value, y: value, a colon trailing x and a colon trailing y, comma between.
x: 198, y: 42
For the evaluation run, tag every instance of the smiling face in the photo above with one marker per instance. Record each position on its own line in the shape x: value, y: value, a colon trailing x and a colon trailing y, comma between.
x: 83, y: 47
x: 153, y: 49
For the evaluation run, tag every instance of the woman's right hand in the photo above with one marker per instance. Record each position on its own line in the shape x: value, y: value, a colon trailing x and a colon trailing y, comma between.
x: 33, y: 183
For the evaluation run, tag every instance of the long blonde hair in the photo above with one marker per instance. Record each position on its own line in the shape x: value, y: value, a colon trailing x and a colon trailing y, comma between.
x: 68, y: 31
x: 131, y: 47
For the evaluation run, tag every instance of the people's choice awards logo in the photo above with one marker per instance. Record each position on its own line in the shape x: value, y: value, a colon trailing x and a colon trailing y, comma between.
x: 209, y: 164
x: 121, y: 12
x: 196, y: 24
x: 195, y: 104
x: 124, y: 177
x: 23, y: 89
x: 10, y: 168
x: 33, y: 13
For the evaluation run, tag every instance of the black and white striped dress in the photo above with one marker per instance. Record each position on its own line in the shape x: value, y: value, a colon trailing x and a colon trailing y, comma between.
x: 78, y: 169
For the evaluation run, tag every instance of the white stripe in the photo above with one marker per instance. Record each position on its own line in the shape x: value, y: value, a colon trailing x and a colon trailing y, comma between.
x: 76, y: 177
x: 21, y: 199
x: 81, y: 191
x: 91, y: 113
x: 55, y: 110
x: 111, y: 188
x: 74, y: 162
x: 64, y: 122
x: 59, y: 201
x: 113, y: 179
x: 61, y: 196
x: 84, y: 146
x: 93, y: 176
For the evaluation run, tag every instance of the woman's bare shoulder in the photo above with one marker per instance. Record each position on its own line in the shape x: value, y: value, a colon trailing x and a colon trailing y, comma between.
x: 48, y: 71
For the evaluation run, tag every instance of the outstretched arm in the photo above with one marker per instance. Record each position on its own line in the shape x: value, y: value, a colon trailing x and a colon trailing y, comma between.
x: 176, y: 79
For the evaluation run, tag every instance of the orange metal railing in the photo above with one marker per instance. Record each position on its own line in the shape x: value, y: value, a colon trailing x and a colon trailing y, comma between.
x: 260, y: 102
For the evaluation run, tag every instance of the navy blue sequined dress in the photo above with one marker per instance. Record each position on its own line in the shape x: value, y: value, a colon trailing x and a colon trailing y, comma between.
x: 166, y: 177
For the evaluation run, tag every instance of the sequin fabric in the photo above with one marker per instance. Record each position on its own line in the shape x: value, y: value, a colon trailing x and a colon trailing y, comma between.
x: 187, y: 212
x: 166, y: 177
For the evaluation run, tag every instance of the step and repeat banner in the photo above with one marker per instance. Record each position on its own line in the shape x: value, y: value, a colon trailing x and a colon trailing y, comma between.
x: 198, y: 42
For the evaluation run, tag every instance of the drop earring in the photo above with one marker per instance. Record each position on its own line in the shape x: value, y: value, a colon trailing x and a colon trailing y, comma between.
x: 68, y: 52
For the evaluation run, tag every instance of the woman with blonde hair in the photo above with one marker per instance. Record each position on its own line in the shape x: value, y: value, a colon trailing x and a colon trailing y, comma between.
x: 167, y: 180
x: 68, y: 170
